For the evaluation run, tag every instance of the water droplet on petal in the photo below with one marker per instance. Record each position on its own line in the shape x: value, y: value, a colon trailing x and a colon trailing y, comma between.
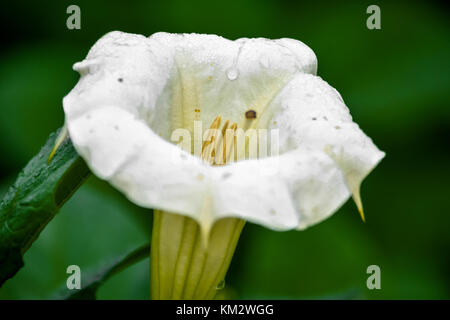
x: 232, y: 74
x: 264, y: 62
x: 220, y: 285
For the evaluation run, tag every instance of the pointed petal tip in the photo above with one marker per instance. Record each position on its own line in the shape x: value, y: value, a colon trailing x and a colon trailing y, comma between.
x: 62, y: 136
x: 361, y: 213
x: 49, y: 159
x: 358, y: 202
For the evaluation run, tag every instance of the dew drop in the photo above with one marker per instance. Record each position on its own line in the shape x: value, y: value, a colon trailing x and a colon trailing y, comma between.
x: 264, y: 62
x: 232, y: 74
x: 226, y: 175
x: 220, y: 285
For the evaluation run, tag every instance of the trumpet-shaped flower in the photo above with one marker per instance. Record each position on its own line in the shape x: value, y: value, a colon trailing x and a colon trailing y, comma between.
x: 134, y: 96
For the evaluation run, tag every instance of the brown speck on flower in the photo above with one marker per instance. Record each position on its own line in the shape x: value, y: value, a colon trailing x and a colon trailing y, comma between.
x: 250, y: 114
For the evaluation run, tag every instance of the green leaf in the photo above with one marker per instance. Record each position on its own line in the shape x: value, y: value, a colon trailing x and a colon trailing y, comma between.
x: 95, y: 280
x: 33, y: 200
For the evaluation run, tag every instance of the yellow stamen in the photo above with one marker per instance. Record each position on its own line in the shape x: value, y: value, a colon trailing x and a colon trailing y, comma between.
x: 217, y: 149
x: 229, y: 142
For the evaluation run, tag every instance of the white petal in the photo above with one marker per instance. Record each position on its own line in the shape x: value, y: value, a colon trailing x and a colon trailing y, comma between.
x: 324, y: 158
x: 326, y: 125
x: 134, y: 91
x: 122, y: 149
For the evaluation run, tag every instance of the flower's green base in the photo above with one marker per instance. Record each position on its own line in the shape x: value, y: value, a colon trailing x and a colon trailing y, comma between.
x: 183, y: 266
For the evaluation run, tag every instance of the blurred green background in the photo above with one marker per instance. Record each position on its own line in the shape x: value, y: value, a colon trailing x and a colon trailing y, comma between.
x: 394, y: 80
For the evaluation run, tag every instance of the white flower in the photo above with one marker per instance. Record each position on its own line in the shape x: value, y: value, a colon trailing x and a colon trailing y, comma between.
x: 135, y: 91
